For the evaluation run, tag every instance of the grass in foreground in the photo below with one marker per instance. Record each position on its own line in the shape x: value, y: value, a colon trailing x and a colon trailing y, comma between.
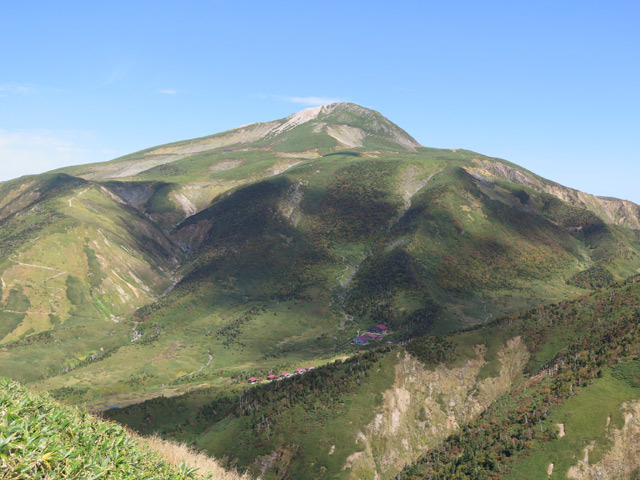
x: 41, y: 439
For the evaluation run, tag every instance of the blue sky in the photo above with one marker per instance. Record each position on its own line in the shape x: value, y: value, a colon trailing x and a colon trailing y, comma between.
x: 552, y: 86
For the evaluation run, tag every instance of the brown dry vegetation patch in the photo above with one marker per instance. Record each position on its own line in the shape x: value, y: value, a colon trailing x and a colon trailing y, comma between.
x: 176, y: 453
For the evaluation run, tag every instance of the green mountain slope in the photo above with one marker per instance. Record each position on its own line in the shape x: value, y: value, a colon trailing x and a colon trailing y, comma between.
x: 71, y: 249
x: 476, y: 404
x: 195, y: 265
x: 286, y: 238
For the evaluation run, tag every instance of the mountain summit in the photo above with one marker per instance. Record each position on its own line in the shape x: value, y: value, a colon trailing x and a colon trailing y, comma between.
x: 267, y: 249
x: 350, y: 125
x: 311, y: 132
x: 326, y: 127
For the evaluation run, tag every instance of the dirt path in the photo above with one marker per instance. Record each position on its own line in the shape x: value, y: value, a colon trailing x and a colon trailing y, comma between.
x: 53, y: 276
x: 34, y: 266
x: 26, y: 313
x: 206, y: 364
x: 77, y: 196
x: 136, y: 335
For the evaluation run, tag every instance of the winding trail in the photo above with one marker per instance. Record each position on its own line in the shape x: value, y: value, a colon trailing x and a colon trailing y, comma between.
x: 34, y: 266
x: 136, y: 335
x: 206, y: 364
x: 76, y: 196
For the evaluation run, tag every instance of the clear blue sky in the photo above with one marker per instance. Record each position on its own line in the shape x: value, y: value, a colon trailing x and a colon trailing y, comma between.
x: 551, y: 85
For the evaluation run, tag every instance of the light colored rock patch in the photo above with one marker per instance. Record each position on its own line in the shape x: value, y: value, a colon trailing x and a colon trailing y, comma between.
x: 622, y: 461
x: 130, y: 168
x: 140, y: 283
x: 576, y: 471
x: 561, y: 432
x: 307, y: 155
x: 241, y: 135
x: 289, y: 207
x: 404, y: 140
x: 123, y: 296
x: 550, y: 469
x: 302, y: 117
x: 346, y: 135
x: 135, y: 290
x: 424, y: 407
x: 488, y: 170
x: 279, y: 168
x: 617, y: 212
x: 187, y: 205
x: 410, y: 185
x: 111, y: 195
x: 357, y: 461
x: 317, y: 128
x: 224, y: 165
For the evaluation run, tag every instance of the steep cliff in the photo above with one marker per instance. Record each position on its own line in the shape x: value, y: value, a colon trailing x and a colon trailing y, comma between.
x: 425, y: 406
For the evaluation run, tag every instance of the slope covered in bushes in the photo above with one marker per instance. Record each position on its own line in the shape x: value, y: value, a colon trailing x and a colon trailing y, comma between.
x: 41, y: 439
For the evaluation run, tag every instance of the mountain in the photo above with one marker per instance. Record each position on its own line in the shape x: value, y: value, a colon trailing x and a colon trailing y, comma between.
x: 185, y: 269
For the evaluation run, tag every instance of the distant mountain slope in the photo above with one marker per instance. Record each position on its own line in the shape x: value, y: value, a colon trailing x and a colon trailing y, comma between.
x: 274, y: 244
x: 317, y: 129
x: 73, y: 249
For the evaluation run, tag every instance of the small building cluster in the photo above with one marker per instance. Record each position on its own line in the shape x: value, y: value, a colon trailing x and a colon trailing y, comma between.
x: 376, y: 332
x: 271, y: 378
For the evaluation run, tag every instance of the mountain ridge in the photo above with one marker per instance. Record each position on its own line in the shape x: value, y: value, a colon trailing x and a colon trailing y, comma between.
x: 342, y: 123
x: 193, y: 266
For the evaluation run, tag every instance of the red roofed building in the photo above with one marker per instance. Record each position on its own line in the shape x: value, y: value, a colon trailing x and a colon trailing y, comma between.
x: 362, y: 340
x: 373, y: 336
x: 379, y: 329
x: 310, y: 368
x: 272, y: 377
x: 285, y: 375
x: 300, y: 370
x: 253, y: 380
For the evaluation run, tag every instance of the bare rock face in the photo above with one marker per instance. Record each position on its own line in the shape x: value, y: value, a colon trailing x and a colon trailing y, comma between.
x: 426, y: 406
x: 612, y: 211
x: 623, y: 460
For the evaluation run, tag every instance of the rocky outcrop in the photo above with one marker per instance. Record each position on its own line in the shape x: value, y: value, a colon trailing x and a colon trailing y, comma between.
x: 622, y: 461
x: 426, y: 406
x: 612, y: 211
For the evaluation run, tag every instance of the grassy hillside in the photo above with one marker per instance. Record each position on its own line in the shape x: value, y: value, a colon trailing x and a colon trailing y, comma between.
x: 281, y: 255
x: 530, y: 371
x: 41, y: 439
x: 184, y: 269
x: 75, y: 252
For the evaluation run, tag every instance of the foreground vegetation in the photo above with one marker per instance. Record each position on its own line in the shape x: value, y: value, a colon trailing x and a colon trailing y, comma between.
x: 41, y: 439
